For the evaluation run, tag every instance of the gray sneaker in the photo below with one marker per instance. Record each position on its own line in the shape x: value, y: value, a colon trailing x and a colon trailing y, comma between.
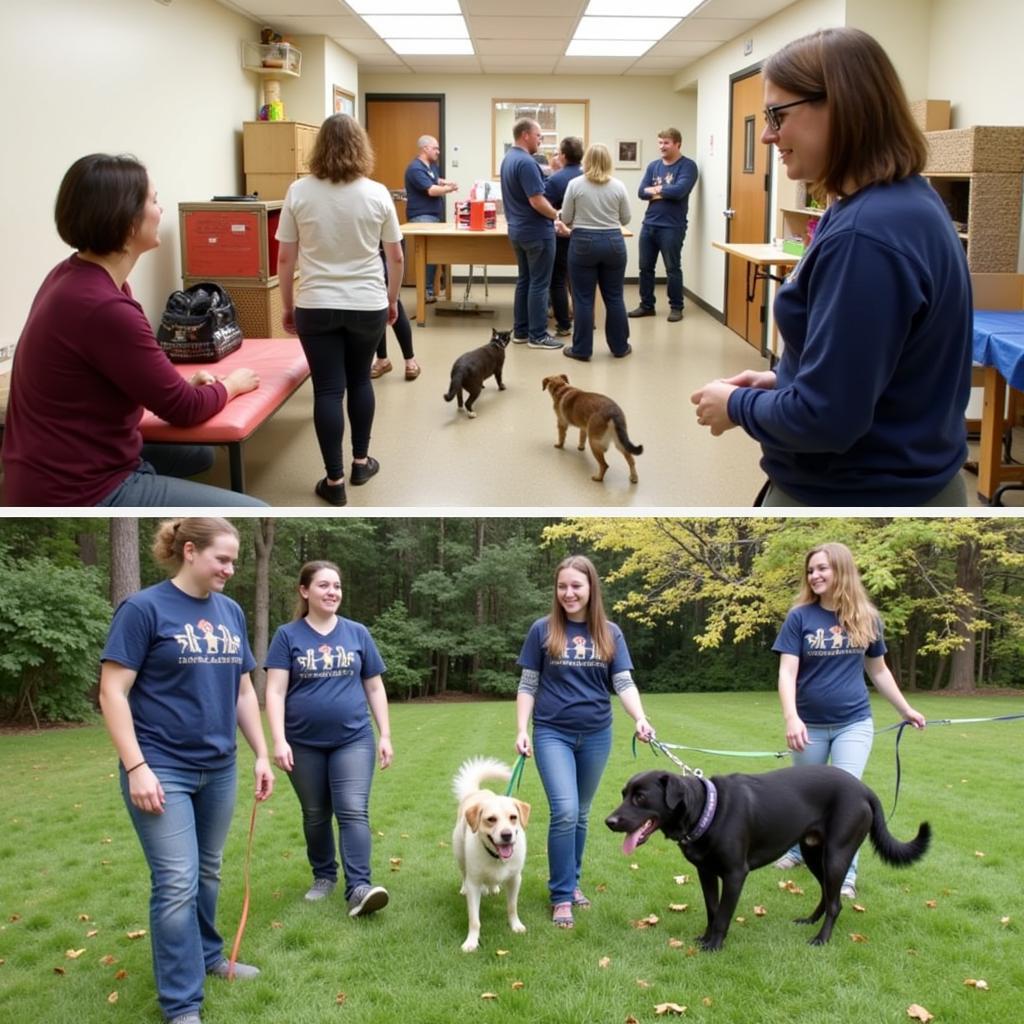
x: 320, y: 889
x: 185, y: 1018
x: 547, y: 342
x: 366, y: 899
x: 242, y: 971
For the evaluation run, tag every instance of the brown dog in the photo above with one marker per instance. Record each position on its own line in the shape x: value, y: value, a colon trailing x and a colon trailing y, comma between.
x: 598, y: 417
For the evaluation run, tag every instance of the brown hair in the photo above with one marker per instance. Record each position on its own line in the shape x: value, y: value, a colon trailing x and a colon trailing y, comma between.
x: 571, y: 147
x: 100, y: 201
x: 306, y: 574
x: 597, y: 621
x: 873, y: 137
x: 342, y: 151
x: 173, y: 534
x: 672, y: 133
x: 523, y: 125
x: 854, y: 610
x: 597, y: 164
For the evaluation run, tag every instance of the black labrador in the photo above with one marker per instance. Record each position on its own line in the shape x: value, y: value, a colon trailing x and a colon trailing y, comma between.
x: 730, y: 824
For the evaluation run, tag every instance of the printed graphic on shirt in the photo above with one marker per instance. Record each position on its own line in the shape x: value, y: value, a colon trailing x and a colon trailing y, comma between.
x: 581, y: 651
x: 203, y: 642
x: 826, y: 642
x: 332, y: 660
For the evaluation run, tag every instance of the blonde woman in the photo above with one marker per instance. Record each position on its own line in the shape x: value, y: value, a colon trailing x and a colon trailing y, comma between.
x: 830, y: 638
x: 572, y: 660
x: 595, y: 207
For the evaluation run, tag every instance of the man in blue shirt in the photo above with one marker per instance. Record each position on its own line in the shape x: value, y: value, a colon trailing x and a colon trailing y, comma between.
x: 666, y: 185
x: 531, y: 231
x: 425, y: 190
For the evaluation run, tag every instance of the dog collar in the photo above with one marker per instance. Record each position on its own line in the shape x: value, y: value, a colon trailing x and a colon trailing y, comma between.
x: 708, y: 814
x: 490, y: 851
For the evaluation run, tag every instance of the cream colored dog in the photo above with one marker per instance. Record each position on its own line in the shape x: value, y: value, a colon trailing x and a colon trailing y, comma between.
x: 488, y: 841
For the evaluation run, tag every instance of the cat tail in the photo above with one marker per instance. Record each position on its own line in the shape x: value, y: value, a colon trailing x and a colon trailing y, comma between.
x: 619, y: 422
x: 455, y: 386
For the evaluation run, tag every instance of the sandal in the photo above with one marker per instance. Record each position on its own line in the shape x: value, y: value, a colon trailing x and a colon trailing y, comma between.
x: 579, y: 900
x: 561, y: 915
x: 380, y: 367
x: 412, y: 372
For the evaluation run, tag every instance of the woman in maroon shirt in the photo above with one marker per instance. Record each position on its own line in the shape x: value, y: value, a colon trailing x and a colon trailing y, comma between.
x: 87, y: 364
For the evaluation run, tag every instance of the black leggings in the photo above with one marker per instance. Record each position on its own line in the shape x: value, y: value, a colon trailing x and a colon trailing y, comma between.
x: 403, y: 332
x: 339, y: 346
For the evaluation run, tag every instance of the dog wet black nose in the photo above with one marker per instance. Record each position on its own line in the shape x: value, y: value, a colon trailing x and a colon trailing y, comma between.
x: 507, y: 836
x: 612, y: 821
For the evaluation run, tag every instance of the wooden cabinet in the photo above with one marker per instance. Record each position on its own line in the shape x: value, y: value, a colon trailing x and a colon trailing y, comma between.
x: 274, y: 154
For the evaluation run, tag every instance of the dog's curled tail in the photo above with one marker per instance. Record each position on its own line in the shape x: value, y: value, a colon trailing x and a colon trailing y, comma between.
x: 889, y: 848
x: 620, y: 430
x: 470, y: 776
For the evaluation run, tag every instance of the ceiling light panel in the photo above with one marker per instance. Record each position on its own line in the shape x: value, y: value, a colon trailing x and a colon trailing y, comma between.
x: 651, y: 8
x: 405, y: 6
x: 608, y: 47
x: 415, y: 26
x: 650, y: 29
x: 430, y: 46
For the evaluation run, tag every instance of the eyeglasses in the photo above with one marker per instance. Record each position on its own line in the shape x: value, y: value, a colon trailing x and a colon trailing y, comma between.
x: 771, y: 114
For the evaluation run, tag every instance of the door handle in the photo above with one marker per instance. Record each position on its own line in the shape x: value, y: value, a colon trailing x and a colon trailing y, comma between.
x: 728, y: 214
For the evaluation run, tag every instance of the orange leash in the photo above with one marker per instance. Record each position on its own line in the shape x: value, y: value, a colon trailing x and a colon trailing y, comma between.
x: 236, y: 945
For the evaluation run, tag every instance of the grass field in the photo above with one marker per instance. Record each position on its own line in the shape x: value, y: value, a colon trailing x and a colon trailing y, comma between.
x: 72, y: 878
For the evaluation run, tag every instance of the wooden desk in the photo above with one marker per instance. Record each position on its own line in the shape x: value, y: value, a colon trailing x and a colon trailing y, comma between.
x: 282, y: 369
x: 759, y: 257
x: 444, y: 244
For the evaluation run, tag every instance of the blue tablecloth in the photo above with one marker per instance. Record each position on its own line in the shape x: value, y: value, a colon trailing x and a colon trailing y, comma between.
x: 999, y: 342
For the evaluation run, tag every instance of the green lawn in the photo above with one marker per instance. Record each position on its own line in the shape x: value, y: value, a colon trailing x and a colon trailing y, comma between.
x: 72, y: 878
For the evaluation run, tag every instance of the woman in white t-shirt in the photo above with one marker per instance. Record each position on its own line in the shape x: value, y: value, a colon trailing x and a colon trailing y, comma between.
x: 332, y: 224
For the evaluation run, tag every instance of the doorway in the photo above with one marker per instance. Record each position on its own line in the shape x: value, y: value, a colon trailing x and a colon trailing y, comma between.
x: 747, y: 215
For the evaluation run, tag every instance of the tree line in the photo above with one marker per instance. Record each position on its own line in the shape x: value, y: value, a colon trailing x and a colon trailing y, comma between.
x: 449, y: 600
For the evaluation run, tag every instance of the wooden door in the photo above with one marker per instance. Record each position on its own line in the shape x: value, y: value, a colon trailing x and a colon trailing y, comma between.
x: 748, y: 199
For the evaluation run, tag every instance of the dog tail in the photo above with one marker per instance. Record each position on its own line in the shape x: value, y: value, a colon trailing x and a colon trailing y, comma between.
x: 888, y: 847
x: 620, y: 430
x: 469, y: 778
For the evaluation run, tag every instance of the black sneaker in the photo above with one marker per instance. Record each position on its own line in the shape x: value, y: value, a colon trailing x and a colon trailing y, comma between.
x: 564, y: 332
x: 569, y: 354
x: 641, y: 311
x: 333, y: 494
x: 547, y: 342
x: 674, y: 316
x: 367, y: 899
x: 520, y: 339
x: 362, y: 471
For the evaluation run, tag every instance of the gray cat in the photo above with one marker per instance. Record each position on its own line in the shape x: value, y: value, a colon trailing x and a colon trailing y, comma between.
x: 472, y: 368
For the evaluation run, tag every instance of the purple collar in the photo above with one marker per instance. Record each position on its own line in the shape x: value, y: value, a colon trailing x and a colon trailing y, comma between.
x: 708, y: 814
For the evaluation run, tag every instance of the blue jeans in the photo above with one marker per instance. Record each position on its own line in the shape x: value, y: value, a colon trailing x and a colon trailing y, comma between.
x: 530, y: 309
x: 597, y: 259
x: 847, y: 747
x: 183, y: 847
x: 668, y: 243
x: 570, y: 767
x: 339, y: 346
x: 335, y: 782
x: 158, y: 481
x: 428, y: 218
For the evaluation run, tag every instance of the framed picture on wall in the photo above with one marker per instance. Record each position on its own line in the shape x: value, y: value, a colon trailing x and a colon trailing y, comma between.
x: 627, y: 154
x: 344, y: 102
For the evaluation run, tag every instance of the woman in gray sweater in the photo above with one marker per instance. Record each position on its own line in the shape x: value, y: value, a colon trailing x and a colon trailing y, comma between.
x: 595, y: 207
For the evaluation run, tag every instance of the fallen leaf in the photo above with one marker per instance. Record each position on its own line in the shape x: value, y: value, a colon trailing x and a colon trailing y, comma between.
x: 646, y: 922
x: 741, y: 919
x: 634, y: 867
x: 790, y: 886
x: 92, y: 933
x: 501, y: 952
x: 1004, y: 921
x: 108, y: 960
x: 395, y: 862
x: 916, y: 1012
x: 339, y: 999
x: 976, y: 983
x: 488, y: 995
x: 679, y: 907
x: 661, y: 1009
x: 978, y: 853
x: 760, y: 911
x: 931, y: 904
x: 106, y: 840
x: 517, y: 985
x: 682, y: 879
x: 676, y: 943
x: 59, y: 970
x: 643, y: 983
x: 2, y: 961
x: 605, y: 961
x: 276, y: 924
x: 442, y: 843
x: 691, y: 951
x: 857, y: 937
x: 83, y: 917
x: 707, y: 1001
x: 601, y: 887
x: 856, y: 906
x: 73, y: 954
x: 112, y: 998
x: 14, y: 918
x: 631, y: 1020
x: 137, y: 934
x: 105, y: 863
x: 121, y: 974
x: 403, y: 835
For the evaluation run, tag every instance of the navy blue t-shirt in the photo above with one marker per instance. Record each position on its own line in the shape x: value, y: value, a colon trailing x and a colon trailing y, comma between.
x: 575, y: 687
x: 418, y: 178
x: 555, y: 186
x: 677, y: 180
x: 877, y: 319
x: 520, y: 179
x: 189, y: 654
x: 830, y: 684
x: 325, y: 705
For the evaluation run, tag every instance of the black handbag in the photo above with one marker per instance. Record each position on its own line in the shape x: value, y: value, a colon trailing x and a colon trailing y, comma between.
x: 199, y: 325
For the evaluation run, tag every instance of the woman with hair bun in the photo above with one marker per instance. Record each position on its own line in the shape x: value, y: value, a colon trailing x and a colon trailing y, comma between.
x: 831, y: 637
x: 174, y: 688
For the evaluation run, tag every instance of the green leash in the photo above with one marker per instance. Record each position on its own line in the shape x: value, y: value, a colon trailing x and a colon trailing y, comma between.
x: 517, y: 775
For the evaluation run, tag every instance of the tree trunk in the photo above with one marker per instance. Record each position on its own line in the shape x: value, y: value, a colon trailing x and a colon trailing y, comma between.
x: 88, y: 553
x: 264, y: 540
x: 968, y: 581
x: 480, y: 610
x: 125, y: 577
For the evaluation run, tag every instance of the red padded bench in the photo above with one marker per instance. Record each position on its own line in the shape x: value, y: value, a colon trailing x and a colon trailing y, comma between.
x: 282, y: 370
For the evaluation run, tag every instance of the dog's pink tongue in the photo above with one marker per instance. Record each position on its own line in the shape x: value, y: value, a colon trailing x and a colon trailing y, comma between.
x: 505, y: 850
x: 632, y: 841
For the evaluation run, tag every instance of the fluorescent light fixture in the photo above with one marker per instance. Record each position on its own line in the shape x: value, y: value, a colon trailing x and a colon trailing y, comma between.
x: 608, y: 47
x: 651, y: 8
x: 405, y: 6
x: 415, y: 26
x: 651, y: 29
x: 426, y: 47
